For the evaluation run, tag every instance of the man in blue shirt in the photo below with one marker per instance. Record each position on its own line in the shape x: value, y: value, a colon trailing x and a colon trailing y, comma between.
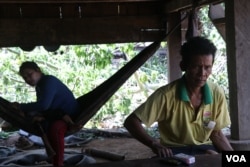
x: 55, y: 106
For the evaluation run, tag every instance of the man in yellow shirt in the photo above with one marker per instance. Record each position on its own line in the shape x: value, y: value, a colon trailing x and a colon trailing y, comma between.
x: 190, y: 111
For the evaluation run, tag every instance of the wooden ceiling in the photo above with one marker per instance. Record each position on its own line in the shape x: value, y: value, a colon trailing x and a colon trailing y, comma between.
x: 70, y: 22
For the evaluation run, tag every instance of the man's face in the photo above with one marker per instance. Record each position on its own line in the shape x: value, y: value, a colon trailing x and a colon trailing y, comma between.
x: 31, y: 76
x: 199, y: 69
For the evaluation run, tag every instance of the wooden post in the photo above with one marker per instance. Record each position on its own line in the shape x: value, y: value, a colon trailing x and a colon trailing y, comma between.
x: 174, y: 45
x: 238, y: 44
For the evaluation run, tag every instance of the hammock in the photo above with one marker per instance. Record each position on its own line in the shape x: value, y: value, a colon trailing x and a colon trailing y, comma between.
x: 91, y: 102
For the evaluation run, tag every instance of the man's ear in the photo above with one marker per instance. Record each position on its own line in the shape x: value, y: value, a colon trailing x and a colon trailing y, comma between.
x: 183, y: 66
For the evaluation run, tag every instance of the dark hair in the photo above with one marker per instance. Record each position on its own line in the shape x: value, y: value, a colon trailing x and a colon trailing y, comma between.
x: 197, y: 46
x: 29, y: 65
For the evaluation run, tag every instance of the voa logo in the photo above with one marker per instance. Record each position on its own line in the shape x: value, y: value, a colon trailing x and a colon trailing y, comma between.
x: 236, y: 158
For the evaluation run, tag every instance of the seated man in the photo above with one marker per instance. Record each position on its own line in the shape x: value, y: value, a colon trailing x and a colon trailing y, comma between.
x: 190, y: 111
x: 54, y: 108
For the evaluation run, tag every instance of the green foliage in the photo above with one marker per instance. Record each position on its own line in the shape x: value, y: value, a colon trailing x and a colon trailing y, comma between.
x: 98, y: 56
x: 82, y: 69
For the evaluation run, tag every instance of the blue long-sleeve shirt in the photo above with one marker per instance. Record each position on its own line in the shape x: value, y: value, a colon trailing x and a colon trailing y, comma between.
x: 52, y: 94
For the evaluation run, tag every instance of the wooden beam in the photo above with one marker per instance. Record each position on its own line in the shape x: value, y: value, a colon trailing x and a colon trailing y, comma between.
x: 76, y: 10
x: 174, y: 45
x: 33, y: 32
x: 72, y: 1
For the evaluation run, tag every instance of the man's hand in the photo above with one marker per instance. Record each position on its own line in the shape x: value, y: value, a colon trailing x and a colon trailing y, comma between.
x: 220, y: 141
x: 134, y: 126
x: 161, y: 150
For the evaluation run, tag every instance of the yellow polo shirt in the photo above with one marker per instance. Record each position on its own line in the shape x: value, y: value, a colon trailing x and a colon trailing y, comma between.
x: 178, y: 124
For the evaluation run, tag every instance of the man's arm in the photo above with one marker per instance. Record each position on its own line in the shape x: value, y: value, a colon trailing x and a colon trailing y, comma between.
x: 220, y: 141
x: 45, y: 96
x: 133, y: 125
